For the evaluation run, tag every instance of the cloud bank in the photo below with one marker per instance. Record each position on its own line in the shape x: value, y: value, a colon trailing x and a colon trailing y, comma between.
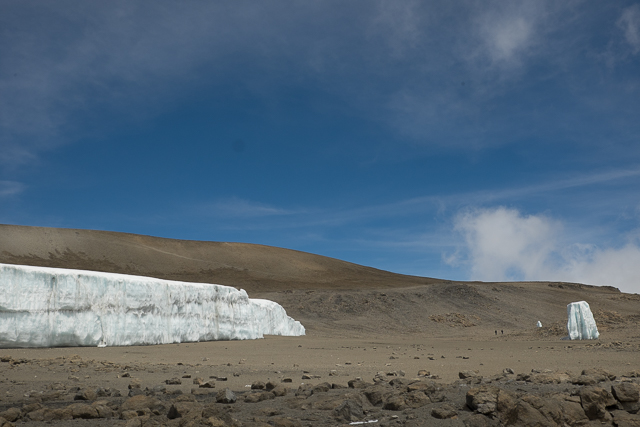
x: 502, y: 244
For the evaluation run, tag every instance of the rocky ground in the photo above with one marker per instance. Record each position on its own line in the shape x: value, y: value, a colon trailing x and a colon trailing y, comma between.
x: 537, y: 398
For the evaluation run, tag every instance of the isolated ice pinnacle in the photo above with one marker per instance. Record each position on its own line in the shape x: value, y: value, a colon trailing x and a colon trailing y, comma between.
x: 51, y: 307
x: 581, y: 324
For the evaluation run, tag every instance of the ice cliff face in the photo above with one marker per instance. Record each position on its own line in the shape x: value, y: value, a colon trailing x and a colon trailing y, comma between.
x: 49, y: 307
x: 581, y: 324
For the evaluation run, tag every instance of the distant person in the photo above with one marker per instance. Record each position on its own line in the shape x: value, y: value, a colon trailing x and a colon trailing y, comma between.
x: 496, y: 332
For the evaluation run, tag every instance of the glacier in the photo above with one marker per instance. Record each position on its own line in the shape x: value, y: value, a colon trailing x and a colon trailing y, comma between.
x: 581, y: 325
x: 56, y: 307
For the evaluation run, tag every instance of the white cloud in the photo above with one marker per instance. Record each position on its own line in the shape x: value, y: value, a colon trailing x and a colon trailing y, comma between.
x: 629, y: 22
x: 501, y: 244
x: 507, y: 38
x: 509, y: 32
x: 504, y: 245
x: 11, y: 188
x: 236, y: 207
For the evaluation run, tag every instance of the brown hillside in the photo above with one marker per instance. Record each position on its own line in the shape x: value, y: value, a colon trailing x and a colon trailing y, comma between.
x: 255, y: 268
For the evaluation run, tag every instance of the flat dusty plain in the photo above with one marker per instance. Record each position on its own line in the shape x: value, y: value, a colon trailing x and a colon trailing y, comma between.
x: 361, y: 322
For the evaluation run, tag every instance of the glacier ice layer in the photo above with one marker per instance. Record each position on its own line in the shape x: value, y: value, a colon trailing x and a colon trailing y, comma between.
x: 52, y: 307
x: 581, y: 324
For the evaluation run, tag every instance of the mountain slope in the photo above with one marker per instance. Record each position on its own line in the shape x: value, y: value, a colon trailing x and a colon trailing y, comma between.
x: 255, y: 268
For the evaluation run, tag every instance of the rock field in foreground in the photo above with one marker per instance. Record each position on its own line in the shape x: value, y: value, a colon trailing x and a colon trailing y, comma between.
x: 537, y: 398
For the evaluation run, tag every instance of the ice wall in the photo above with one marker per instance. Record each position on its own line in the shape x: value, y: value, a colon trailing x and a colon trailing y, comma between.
x: 581, y: 325
x: 49, y: 307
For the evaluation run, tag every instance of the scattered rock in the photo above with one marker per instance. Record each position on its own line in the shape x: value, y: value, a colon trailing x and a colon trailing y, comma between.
x: 64, y: 414
x: 479, y: 420
x: 129, y: 414
x: 310, y: 377
x: 394, y: 403
x: 625, y: 419
x: 259, y: 396
x: 103, y: 410
x: 184, y: 409
x: 378, y: 394
x: 467, y: 374
x: 584, y: 380
x: 135, y: 383
x: 135, y: 392
x: 270, y: 385
x: 321, y: 388
x: 358, y: 383
x: 158, y: 389
x: 444, y: 412
x: 85, y: 394
x: 483, y: 399
x: 599, y: 374
x: 417, y: 399
x: 594, y: 401
x: 280, y: 391
x: 285, y: 422
x: 82, y: 410
x: 142, y: 404
x: 11, y: 414
x: 349, y: 411
x: 173, y: 381
x: 626, y: 392
x: 226, y: 396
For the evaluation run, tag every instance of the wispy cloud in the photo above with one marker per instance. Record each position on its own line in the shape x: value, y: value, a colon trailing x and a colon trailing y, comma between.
x: 508, y: 32
x: 500, y: 195
x: 11, y: 188
x: 400, y: 64
x: 503, y: 244
x: 241, y: 209
x: 629, y: 23
x: 442, y: 205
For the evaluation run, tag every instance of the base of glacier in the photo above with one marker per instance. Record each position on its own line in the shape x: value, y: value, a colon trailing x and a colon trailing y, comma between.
x: 55, y: 307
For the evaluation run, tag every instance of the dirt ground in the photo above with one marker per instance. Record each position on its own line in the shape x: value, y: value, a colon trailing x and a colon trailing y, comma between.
x: 336, y: 360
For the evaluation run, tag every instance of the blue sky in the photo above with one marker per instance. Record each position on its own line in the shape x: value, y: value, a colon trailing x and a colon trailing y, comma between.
x: 491, y: 141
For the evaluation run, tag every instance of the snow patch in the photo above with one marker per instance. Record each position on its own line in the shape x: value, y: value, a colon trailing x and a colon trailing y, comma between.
x: 52, y: 307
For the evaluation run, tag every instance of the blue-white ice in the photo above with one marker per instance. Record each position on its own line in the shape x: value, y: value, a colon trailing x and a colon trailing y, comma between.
x: 50, y: 307
x: 581, y: 324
